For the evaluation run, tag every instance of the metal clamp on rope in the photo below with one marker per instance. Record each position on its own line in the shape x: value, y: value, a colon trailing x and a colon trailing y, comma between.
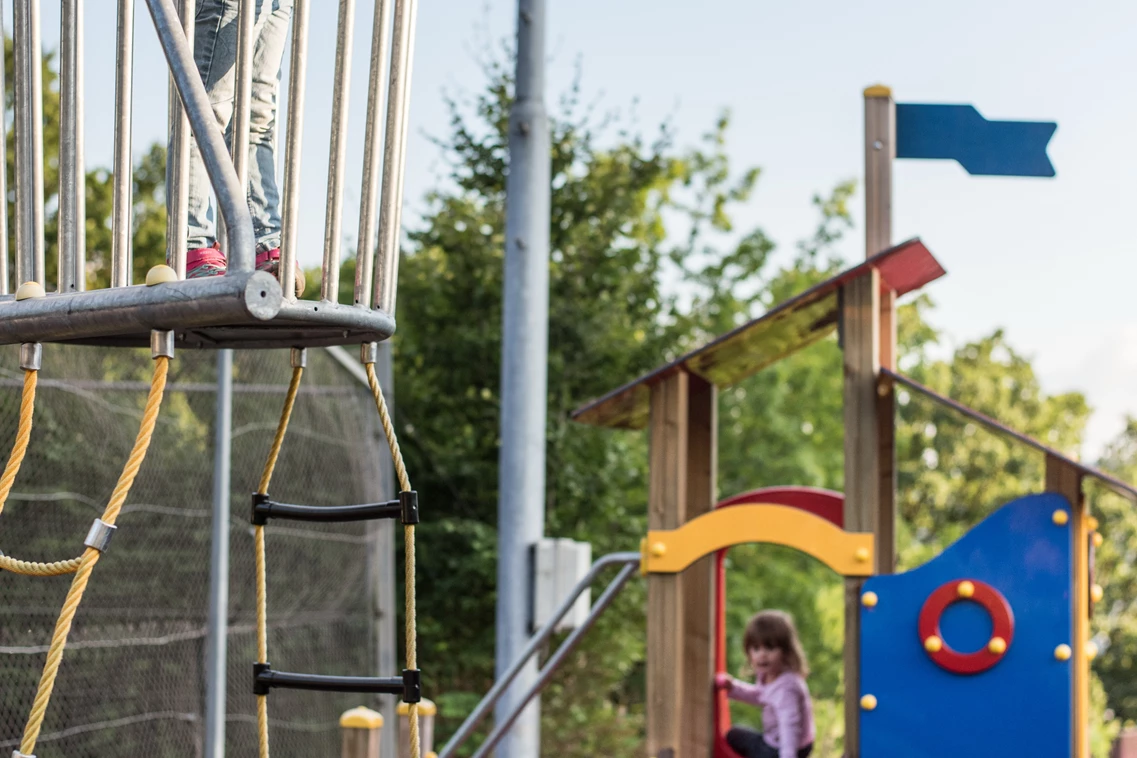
x: 369, y: 353
x: 161, y: 344
x: 299, y: 357
x: 408, y: 499
x: 18, y: 754
x: 31, y: 356
x: 99, y: 537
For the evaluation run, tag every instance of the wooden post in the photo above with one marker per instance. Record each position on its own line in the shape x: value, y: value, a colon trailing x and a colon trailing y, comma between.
x: 1065, y: 479
x: 680, y: 649
x: 880, y: 152
x: 697, y: 729
x: 860, y: 337
x: 361, y: 727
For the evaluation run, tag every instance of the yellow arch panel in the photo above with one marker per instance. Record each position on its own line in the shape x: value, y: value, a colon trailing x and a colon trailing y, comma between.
x: 668, y: 551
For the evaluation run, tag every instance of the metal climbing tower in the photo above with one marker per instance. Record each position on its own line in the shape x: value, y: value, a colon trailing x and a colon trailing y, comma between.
x: 243, y: 308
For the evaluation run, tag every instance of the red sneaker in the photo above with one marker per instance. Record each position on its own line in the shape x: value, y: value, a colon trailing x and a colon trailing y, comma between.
x: 205, y: 261
x: 270, y: 261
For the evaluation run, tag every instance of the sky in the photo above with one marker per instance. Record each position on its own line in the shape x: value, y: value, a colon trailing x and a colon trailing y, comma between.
x: 1047, y: 260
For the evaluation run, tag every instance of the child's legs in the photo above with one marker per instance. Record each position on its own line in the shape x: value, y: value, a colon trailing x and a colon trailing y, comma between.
x: 748, y: 743
x: 268, y: 53
x: 215, y: 53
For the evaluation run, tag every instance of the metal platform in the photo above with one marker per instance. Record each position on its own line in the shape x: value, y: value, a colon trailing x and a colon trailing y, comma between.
x: 239, y: 310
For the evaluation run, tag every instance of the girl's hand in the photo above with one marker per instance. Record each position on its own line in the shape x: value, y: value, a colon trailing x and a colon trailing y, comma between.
x: 723, y: 681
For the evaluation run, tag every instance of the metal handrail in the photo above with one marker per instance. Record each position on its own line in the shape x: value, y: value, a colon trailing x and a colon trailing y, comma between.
x: 630, y: 562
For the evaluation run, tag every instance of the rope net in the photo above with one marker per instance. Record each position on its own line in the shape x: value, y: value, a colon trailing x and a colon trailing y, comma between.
x: 131, y: 680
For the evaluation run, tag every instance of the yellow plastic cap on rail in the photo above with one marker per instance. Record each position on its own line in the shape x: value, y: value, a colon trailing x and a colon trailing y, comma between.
x: 425, y: 708
x: 361, y: 718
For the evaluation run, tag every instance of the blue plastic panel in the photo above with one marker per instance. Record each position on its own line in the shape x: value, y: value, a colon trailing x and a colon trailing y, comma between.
x: 1019, y: 707
x: 959, y: 132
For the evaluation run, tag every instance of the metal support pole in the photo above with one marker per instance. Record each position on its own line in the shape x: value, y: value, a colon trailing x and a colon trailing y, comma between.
x: 216, y: 646
x: 395, y: 155
x: 177, y: 219
x: 27, y: 49
x: 524, y: 374
x: 4, y: 285
x: 337, y: 154
x: 372, y: 147
x: 122, y: 222
x: 297, y: 78
x: 72, y: 174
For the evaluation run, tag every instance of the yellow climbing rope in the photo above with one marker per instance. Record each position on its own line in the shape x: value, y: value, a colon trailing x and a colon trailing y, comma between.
x: 8, y: 478
x: 409, y: 533
x: 90, y: 557
x: 262, y: 584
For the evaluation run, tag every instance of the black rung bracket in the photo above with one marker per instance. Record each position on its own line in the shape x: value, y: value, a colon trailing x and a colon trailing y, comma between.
x: 409, y: 685
x: 264, y: 509
x: 408, y: 499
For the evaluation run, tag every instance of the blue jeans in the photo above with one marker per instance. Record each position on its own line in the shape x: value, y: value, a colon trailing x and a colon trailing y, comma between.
x: 215, y: 52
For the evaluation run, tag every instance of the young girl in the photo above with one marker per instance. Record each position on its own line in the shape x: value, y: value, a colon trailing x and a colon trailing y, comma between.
x: 778, y: 661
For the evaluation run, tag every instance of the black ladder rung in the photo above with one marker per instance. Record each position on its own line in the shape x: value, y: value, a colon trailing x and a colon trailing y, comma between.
x: 408, y: 685
x: 405, y: 508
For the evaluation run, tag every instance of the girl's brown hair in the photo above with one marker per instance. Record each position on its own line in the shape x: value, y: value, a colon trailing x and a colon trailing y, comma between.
x: 775, y: 630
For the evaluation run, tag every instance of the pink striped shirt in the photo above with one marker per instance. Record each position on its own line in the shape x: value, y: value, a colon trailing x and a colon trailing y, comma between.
x: 787, y: 711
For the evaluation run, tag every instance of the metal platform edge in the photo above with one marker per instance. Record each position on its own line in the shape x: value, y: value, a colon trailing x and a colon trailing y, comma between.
x: 239, y: 310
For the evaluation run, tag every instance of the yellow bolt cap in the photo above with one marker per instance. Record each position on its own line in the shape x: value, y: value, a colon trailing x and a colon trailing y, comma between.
x: 868, y: 702
x: 361, y: 718
x: 1092, y: 523
x: 1060, y: 517
x: 878, y: 90
x: 658, y: 549
x: 997, y: 645
x: 1097, y: 593
x: 29, y: 290
x: 160, y: 274
x: 862, y: 554
x: 869, y: 599
x: 933, y: 644
x: 965, y: 588
x: 1098, y: 539
x: 1091, y: 650
x: 1063, y: 652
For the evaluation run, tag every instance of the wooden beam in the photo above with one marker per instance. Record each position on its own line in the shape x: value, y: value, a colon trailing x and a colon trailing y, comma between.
x: 698, y: 663
x: 1065, y: 479
x: 667, y: 493
x: 860, y: 340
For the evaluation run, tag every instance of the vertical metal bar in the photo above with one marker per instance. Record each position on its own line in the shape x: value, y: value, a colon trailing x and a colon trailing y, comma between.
x: 4, y: 285
x: 246, y: 21
x: 72, y: 175
x: 373, y: 143
x: 297, y: 75
x: 122, y: 220
x: 395, y: 154
x: 231, y: 194
x: 217, y: 635
x: 29, y: 141
x: 524, y: 375
x: 177, y: 220
x: 337, y: 154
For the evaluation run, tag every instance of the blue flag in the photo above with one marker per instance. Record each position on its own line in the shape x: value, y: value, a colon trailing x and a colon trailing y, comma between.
x: 959, y: 132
